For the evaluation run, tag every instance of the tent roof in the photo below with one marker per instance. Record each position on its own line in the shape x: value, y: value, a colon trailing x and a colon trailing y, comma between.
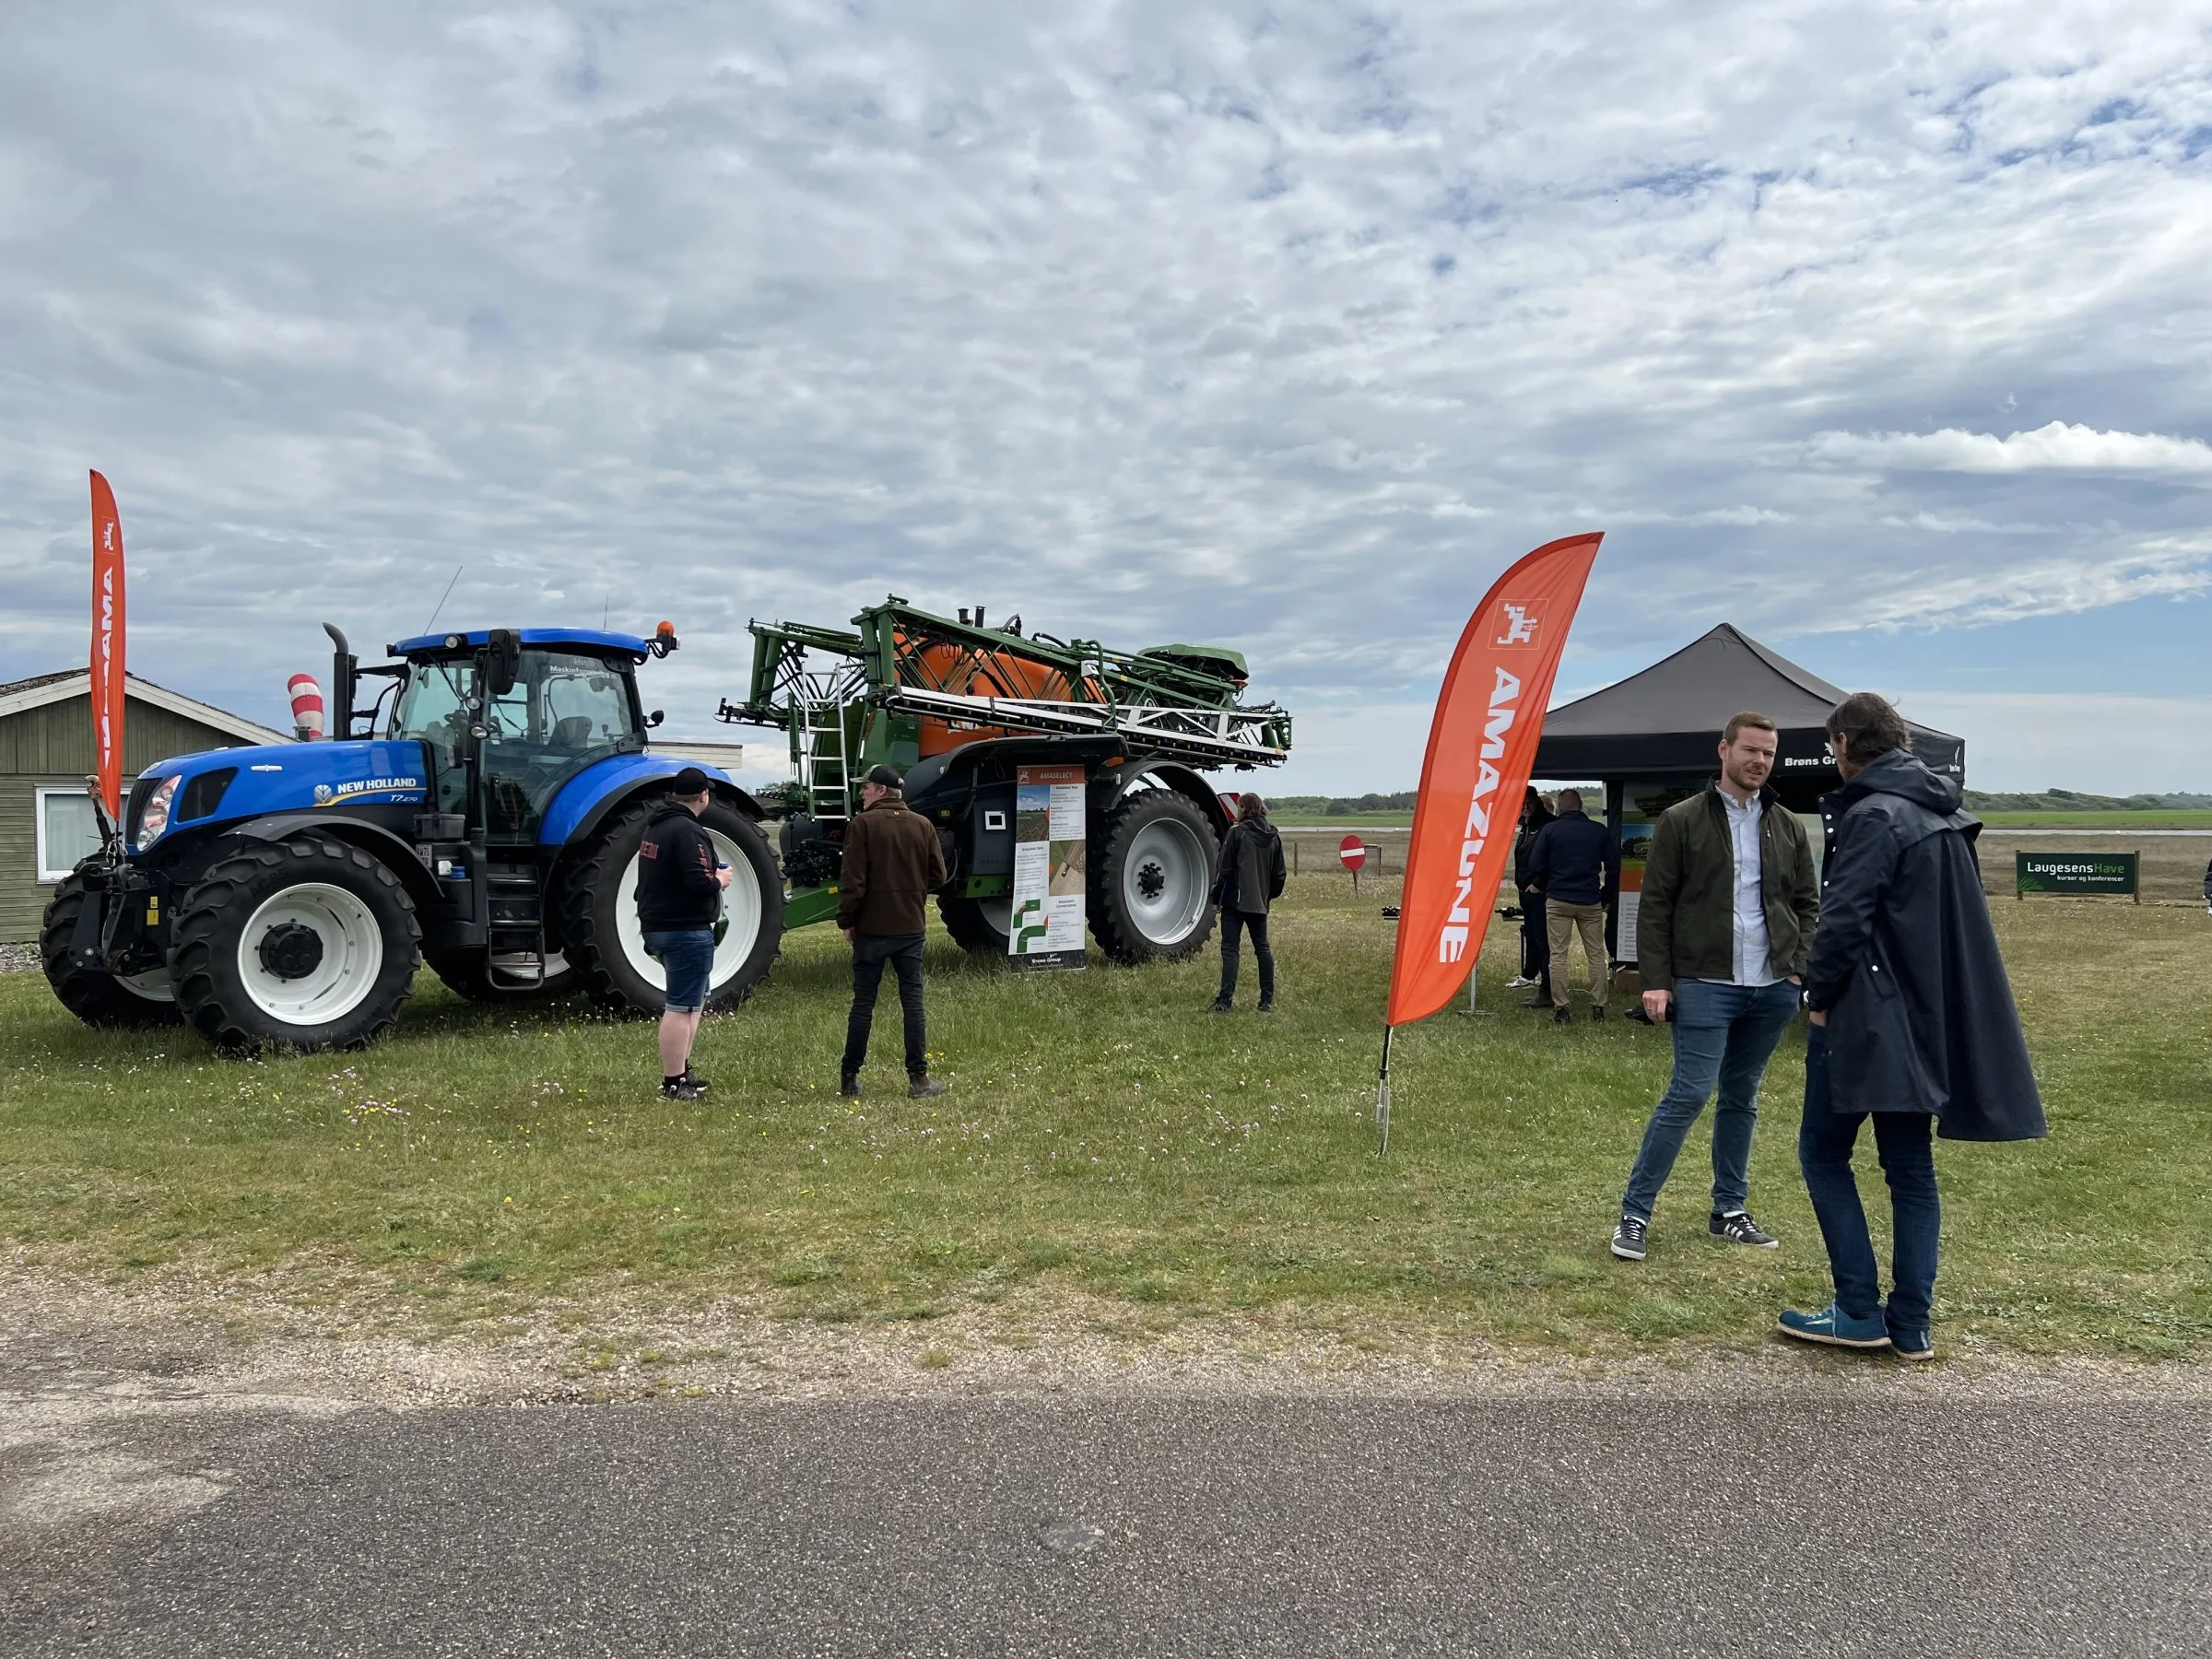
x: 1668, y: 718
x: 1696, y: 688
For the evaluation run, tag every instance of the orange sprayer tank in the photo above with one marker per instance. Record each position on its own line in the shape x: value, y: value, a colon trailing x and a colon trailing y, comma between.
x: 986, y: 674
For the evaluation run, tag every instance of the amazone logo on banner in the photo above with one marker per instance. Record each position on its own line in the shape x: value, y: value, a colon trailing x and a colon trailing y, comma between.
x: 1518, y: 622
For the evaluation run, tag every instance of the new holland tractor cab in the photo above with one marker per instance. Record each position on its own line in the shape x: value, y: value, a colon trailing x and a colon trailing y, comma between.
x: 960, y: 707
x: 483, y: 815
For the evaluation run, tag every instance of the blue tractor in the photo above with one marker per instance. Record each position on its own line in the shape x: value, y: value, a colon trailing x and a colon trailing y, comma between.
x: 482, y: 815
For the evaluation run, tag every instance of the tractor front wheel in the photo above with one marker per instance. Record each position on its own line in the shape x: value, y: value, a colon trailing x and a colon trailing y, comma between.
x: 305, y: 943
x: 1152, y: 864
x: 607, y: 946
x: 97, y: 998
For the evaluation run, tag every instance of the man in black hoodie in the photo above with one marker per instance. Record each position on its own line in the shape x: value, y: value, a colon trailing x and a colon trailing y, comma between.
x: 679, y: 899
x: 1913, y: 1022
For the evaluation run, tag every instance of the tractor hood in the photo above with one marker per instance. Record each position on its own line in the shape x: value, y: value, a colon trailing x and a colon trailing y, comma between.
x: 227, y: 786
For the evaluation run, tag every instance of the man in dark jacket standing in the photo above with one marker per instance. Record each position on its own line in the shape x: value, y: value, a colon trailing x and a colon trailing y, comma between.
x: 1252, y: 878
x: 1723, y: 924
x: 893, y: 862
x: 679, y: 898
x: 1913, y: 1022
x: 1575, y: 866
x: 1536, y: 938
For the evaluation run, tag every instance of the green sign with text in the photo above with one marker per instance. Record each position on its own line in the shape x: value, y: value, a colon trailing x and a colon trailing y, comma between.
x: 2077, y: 873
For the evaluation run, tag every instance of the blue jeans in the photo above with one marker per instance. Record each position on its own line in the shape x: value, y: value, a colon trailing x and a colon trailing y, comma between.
x: 689, y: 959
x: 1904, y: 1143
x: 1724, y: 1034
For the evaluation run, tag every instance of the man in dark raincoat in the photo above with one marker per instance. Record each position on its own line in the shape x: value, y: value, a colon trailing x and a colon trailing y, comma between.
x: 1912, y: 1024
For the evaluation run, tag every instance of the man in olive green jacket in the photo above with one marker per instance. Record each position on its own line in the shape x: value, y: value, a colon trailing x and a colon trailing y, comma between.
x: 1730, y: 897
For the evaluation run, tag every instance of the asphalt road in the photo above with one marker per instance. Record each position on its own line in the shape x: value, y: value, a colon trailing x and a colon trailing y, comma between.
x: 137, y: 1518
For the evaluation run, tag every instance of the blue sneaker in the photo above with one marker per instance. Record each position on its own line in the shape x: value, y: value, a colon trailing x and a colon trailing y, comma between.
x: 1834, y: 1327
x: 1913, y: 1345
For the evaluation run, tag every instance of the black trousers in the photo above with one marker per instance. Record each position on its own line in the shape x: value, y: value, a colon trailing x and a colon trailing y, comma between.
x: 1535, y: 941
x: 1255, y: 922
x: 870, y: 952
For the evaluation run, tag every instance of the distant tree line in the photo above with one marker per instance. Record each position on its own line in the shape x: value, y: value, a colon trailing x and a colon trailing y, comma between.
x: 1400, y: 802
x: 1977, y: 800
x: 2068, y: 800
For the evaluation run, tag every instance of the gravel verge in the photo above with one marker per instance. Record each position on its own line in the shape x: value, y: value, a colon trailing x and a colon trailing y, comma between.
x: 241, y: 1341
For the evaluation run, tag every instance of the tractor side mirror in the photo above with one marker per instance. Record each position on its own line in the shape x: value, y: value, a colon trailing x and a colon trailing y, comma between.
x: 655, y: 718
x: 502, y: 660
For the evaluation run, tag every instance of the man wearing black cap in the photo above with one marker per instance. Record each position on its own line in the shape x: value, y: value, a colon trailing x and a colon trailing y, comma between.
x: 679, y: 898
x: 893, y: 862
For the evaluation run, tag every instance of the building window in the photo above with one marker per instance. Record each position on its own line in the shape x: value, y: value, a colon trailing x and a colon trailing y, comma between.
x: 66, y: 831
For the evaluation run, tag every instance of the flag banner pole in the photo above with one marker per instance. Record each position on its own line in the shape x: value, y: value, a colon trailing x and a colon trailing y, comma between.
x: 1382, y: 1100
x: 107, y: 661
x: 1482, y: 749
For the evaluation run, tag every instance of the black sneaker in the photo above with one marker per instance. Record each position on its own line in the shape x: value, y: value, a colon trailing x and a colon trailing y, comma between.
x: 1268, y: 1007
x: 1219, y: 1006
x: 1738, y: 1227
x: 682, y: 1088
x: 1563, y: 1016
x: 696, y: 1081
x: 1627, y: 1238
x: 926, y: 1089
x: 849, y: 1085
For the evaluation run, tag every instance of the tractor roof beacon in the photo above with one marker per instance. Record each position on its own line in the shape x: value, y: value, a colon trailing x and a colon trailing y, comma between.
x: 957, y: 706
x: 482, y: 814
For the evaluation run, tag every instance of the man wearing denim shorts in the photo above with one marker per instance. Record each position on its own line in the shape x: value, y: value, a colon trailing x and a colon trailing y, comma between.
x: 1726, y: 918
x: 679, y: 898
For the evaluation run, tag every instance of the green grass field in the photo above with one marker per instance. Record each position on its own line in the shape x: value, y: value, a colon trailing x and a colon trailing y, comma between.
x: 1108, y: 1138
x: 2119, y: 823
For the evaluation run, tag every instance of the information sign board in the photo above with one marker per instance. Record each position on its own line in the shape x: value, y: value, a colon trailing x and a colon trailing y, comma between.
x: 2071, y: 872
x: 1051, y: 869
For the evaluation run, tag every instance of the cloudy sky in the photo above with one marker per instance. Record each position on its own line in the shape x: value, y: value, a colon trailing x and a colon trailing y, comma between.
x: 1878, y: 330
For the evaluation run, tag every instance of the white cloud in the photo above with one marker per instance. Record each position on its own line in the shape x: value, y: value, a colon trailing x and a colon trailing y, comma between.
x: 2102, y: 743
x: 1288, y: 327
x: 2056, y: 447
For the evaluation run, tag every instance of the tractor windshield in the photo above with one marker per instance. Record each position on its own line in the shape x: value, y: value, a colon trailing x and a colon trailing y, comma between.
x: 565, y: 710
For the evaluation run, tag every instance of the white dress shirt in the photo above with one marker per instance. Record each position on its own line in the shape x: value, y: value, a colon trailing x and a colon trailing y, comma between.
x: 1751, y: 955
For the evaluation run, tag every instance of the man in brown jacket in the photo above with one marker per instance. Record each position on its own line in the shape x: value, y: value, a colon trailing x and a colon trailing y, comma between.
x: 893, y: 862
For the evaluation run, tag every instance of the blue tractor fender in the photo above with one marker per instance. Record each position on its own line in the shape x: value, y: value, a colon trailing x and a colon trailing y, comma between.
x: 395, y: 852
x: 587, y: 800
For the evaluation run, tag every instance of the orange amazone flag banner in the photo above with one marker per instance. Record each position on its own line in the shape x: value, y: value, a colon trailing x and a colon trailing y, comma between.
x: 1482, y: 746
x: 107, y: 647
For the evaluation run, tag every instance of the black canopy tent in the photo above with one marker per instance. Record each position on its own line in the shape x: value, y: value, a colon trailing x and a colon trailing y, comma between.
x: 1651, y: 739
x: 1666, y: 721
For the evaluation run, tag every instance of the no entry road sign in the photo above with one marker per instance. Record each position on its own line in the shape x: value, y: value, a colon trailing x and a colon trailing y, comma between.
x: 1353, y: 852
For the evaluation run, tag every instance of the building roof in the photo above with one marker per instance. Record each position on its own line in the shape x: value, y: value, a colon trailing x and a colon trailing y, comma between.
x: 41, y: 688
x: 1667, y: 719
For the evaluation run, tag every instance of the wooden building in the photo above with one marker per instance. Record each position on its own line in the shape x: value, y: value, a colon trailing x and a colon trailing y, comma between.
x: 46, y: 822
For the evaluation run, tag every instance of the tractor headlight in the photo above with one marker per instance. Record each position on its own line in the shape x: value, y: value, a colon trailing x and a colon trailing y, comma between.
x: 153, y: 817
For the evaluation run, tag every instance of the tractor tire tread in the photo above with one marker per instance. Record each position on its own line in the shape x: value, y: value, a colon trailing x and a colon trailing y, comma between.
x: 199, y: 918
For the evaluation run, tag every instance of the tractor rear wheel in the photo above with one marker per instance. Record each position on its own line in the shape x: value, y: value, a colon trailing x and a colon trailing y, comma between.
x: 97, y: 998
x: 306, y: 943
x: 979, y: 926
x: 607, y: 946
x: 1152, y: 864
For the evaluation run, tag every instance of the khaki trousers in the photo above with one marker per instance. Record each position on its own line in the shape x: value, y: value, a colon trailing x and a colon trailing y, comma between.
x: 1563, y: 922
